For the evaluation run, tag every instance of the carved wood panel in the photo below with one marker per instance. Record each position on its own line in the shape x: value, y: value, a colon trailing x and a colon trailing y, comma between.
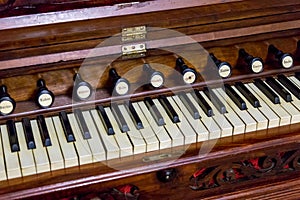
x: 244, y: 170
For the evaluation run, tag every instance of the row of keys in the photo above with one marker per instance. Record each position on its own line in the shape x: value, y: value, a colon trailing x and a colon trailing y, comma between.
x: 69, y: 139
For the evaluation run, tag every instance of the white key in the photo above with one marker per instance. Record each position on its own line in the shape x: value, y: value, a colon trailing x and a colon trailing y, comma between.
x: 209, y: 123
x: 187, y: 121
x: 289, y: 107
x: 249, y: 122
x: 81, y: 145
x: 285, y: 118
x: 273, y: 118
x: 147, y: 132
x: 296, y: 101
x: 67, y: 148
x: 111, y: 147
x: 95, y: 142
x: 261, y: 120
x: 2, y: 162
x: 54, y: 153
x: 175, y: 134
x: 185, y: 127
x: 237, y: 123
x: 11, y: 158
x: 159, y: 131
x: 126, y: 148
x: 295, y: 80
x: 137, y: 140
x: 25, y: 154
x: 223, y: 123
x: 40, y: 154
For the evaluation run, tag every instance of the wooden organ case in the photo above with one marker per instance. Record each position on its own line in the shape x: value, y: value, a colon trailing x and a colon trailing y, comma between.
x: 52, y: 39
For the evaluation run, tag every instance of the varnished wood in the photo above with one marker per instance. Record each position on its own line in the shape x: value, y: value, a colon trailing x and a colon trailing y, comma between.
x: 53, y: 42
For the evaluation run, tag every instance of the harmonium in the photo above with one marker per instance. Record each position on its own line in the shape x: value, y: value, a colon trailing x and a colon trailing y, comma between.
x: 149, y: 99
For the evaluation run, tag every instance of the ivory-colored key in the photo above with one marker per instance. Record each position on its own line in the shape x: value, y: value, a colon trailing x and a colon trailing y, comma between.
x: 214, y: 130
x: 159, y: 131
x: 13, y: 167
x: 261, y: 120
x: 109, y: 143
x: 81, y: 145
x: 289, y: 107
x: 123, y: 141
x: 95, y: 142
x: 196, y: 124
x: 2, y: 162
x: 238, y: 125
x: 273, y: 118
x: 250, y: 123
x: 25, y: 154
x: 295, y: 80
x: 40, y: 154
x: 54, y: 153
x: 284, y: 117
x: 137, y: 140
x: 223, y: 123
x: 68, y: 150
x: 175, y: 134
x: 147, y: 132
x: 296, y: 101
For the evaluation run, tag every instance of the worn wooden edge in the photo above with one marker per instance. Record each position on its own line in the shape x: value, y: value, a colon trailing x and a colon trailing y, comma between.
x: 101, y: 12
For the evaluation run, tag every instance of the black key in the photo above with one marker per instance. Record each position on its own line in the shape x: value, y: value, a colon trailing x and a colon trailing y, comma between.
x: 289, y: 85
x: 215, y: 100
x: 203, y: 104
x: 12, y: 135
x: 267, y: 91
x: 66, y: 126
x: 105, y: 120
x: 119, y: 117
x: 135, y: 117
x: 154, y: 111
x: 297, y: 75
x: 28, y: 133
x: 189, y: 105
x: 82, y: 124
x: 247, y: 94
x: 44, y: 131
x: 235, y: 97
x: 279, y: 89
x: 169, y: 109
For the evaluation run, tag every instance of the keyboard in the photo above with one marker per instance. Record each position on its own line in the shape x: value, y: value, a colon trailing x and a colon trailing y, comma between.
x: 43, y: 144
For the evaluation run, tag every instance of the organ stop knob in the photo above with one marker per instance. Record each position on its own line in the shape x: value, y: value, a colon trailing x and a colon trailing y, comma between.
x: 82, y: 89
x: 224, y: 68
x: 253, y: 64
x: 7, y: 104
x: 189, y: 75
x: 44, y: 97
x: 285, y: 59
x: 155, y: 78
x: 120, y: 85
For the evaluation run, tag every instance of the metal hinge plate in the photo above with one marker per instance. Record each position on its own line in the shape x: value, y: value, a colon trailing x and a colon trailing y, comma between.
x: 134, y: 50
x: 134, y: 33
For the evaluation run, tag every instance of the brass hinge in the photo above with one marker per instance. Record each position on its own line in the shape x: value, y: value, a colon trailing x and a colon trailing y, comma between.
x: 134, y: 33
x: 134, y: 50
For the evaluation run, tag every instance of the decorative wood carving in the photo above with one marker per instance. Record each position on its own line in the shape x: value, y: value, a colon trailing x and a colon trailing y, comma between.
x: 239, y: 171
x: 124, y: 192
